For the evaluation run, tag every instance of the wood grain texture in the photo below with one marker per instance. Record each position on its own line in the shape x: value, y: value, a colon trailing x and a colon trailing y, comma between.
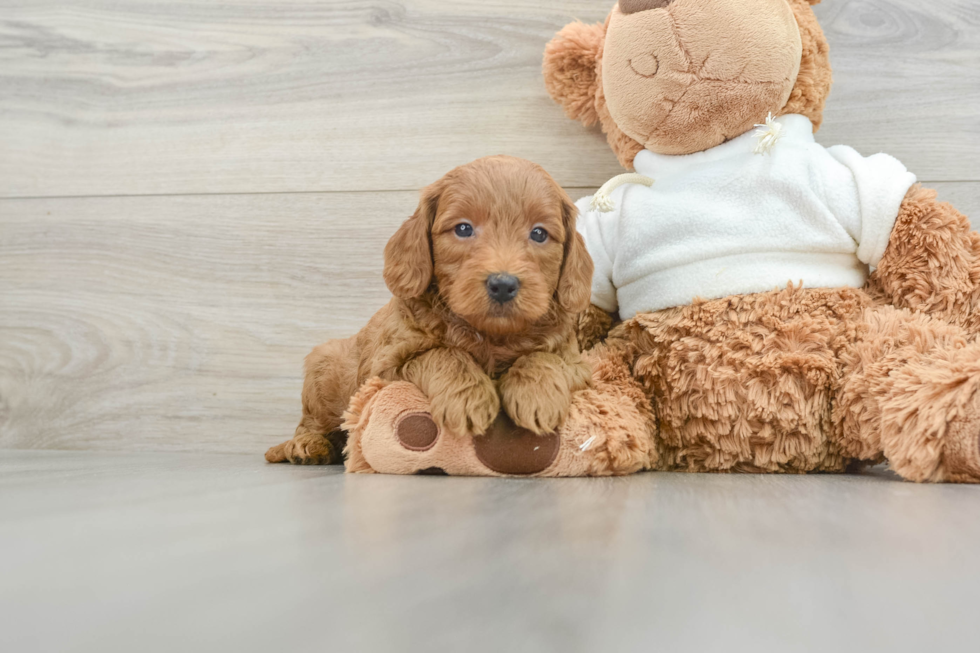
x: 178, y: 323
x: 129, y: 97
x: 181, y: 323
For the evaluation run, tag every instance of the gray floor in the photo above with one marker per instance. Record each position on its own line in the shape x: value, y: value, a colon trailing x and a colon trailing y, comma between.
x: 176, y: 552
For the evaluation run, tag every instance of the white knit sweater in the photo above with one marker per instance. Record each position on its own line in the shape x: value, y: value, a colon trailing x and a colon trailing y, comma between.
x: 729, y: 221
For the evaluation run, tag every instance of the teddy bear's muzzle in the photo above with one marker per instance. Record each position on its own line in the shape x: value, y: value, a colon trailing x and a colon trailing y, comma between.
x: 636, y: 6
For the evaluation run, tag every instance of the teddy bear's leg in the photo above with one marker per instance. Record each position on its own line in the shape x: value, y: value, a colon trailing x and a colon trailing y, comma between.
x: 312, y: 444
x: 747, y: 383
x: 932, y: 264
x: 911, y: 394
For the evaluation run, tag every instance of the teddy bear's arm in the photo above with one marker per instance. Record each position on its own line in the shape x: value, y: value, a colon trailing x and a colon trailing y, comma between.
x: 932, y: 262
x: 594, y: 324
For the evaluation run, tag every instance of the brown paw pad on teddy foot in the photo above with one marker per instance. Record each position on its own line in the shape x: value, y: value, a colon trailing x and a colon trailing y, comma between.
x: 417, y: 432
x: 962, y: 455
x: 509, y: 449
x: 505, y: 448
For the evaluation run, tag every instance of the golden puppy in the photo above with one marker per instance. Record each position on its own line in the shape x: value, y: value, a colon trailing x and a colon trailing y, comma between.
x: 488, y: 277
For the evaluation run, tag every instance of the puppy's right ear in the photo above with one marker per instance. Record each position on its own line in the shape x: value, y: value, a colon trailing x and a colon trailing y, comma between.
x: 571, y: 70
x: 408, y: 255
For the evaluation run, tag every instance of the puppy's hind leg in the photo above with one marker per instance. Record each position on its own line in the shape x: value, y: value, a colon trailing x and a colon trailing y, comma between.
x: 331, y: 380
x: 310, y: 446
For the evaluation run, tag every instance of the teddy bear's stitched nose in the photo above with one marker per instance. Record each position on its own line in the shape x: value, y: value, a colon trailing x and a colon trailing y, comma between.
x: 636, y: 6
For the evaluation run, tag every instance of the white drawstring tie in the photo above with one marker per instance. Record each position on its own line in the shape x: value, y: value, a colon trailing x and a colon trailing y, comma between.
x: 768, y: 135
x: 602, y: 200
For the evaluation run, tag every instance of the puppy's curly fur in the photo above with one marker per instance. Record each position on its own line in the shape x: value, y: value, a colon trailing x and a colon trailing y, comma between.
x: 469, y: 354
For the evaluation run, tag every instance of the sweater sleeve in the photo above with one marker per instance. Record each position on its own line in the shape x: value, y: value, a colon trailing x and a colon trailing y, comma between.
x: 599, y: 230
x: 882, y: 183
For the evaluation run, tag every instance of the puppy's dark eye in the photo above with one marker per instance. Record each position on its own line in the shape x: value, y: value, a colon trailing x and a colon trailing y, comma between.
x: 464, y: 230
x: 539, y: 235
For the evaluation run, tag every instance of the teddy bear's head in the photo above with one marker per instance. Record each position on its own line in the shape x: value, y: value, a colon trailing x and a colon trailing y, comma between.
x: 682, y: 76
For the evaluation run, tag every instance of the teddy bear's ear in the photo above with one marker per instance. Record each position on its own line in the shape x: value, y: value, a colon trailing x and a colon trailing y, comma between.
x: 816, y: 76
x: 571, y: 73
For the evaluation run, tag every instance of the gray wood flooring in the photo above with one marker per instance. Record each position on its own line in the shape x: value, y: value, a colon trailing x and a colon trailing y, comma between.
x: 180, y: 552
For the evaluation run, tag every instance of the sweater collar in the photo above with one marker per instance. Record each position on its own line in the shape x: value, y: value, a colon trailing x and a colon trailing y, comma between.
x: 796, y: 128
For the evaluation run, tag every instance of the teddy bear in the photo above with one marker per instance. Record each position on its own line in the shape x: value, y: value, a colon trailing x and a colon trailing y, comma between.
x: 760, y: 303
x: 789, y: 307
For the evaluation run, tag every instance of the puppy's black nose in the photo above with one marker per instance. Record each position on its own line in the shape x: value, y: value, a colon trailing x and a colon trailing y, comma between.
x: 502, y: 288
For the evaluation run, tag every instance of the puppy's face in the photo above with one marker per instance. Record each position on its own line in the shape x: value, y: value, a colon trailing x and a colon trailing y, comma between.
x: 498, y: 238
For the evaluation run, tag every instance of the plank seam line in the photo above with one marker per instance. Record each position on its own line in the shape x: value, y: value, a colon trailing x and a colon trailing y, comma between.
x: 317, y: 192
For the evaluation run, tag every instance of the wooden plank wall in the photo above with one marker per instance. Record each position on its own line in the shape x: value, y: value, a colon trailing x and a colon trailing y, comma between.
x: 192, y: 194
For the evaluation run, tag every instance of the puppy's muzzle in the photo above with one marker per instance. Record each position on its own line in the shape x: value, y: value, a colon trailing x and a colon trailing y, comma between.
x: 503, y: 288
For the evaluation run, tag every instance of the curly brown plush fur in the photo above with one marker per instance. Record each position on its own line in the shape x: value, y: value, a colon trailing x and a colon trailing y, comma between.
x: 810, y: 380
x: 469, y: 354
x: 932, y: 264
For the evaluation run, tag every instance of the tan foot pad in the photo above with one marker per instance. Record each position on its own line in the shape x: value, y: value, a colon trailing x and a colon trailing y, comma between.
x: 392, y: 432
x: 962, y: 454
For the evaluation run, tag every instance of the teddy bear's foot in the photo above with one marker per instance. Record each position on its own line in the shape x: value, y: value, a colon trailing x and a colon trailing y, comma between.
x: 505, y: 448
x: 931, y: 418
x: 392, y: 431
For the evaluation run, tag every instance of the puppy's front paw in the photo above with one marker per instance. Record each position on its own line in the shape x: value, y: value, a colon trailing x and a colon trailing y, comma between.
x: 536, y: 394
x: 469, y: 408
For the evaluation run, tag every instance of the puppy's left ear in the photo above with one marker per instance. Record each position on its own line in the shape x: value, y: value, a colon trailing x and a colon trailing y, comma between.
x: 408, y: 255
x: 575, y: 285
